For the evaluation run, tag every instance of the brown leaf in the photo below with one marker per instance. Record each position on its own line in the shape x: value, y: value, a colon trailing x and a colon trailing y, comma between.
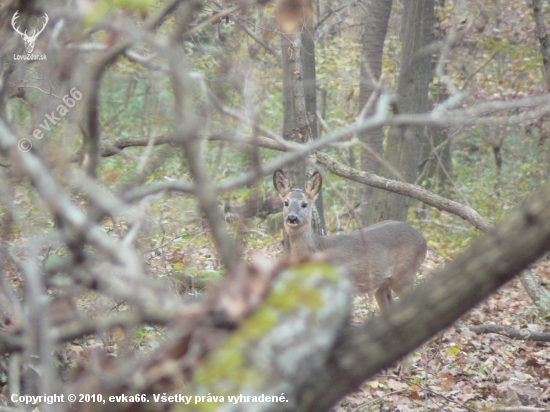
x: 447, y: 380
x: 396, y: 385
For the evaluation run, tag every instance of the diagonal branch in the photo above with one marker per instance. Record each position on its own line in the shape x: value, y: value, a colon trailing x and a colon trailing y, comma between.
x: 435, y: 304
x: 253, y: 36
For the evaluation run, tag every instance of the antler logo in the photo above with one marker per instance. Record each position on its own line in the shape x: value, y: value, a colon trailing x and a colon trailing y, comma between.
x: 29, y: 39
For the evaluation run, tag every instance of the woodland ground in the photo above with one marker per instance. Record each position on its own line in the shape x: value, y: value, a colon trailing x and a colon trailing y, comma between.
x: 454, y: 371
x: 460, y: 370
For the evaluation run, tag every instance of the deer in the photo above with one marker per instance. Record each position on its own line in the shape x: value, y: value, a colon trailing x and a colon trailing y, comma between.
x: 381, y: 258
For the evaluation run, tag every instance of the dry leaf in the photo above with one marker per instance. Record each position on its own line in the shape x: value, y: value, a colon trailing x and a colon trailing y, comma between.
x: 396, y: 385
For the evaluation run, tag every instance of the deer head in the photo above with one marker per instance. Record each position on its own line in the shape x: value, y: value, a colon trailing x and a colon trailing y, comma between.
x: 29, y: 39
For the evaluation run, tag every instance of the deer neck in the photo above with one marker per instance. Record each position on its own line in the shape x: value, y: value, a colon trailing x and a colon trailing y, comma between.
x: 303, y: 241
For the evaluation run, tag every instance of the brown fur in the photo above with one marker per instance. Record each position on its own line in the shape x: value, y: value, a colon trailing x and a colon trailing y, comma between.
x: 380, y: 258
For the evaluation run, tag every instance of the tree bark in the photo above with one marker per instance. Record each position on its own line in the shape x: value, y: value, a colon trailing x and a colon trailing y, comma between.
x: 436, y: 163
x: 300, y: 105
x: 544, y: 39
x: 373, y: 38
x: 296, y: 171
x: 404, y: 145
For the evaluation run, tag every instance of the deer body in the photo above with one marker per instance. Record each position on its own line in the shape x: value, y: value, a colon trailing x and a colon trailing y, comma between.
x: 380, y: 258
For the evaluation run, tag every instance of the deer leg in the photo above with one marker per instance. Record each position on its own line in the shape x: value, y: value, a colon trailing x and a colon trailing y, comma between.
x: 383, y: 296
x: 405, y: 365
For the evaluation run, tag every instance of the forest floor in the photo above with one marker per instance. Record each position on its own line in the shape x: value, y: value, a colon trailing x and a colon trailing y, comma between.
x: 454, y: 371
x: 459, y: 370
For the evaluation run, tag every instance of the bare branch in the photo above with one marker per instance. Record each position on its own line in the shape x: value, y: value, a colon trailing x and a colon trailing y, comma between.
x: 253, y: 36
x: 187, y: 132
x: 508, y: 332
x: 212, y: 19
x: 62, y: 207
x: 340, y: 169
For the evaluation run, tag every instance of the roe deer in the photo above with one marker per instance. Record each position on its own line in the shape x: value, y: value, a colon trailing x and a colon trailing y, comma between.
x: 380, y: 258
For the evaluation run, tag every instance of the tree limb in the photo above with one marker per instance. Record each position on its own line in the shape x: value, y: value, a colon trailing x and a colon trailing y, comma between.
x: 508, y: 332
x: 253, y: 36
x: 518, y: 409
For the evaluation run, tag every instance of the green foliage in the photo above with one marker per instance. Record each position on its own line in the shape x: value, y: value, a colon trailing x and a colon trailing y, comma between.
x: 337, y: 73
x: 480, y: 185
x: 133, y: 105
x: 103, y: 8
x: 191, y: 280
x: 145, y: 334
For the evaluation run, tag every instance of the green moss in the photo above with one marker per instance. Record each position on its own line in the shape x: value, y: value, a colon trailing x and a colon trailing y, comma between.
x: 260, y: 322
x: 226, y: 370
x: 293, y: 295
x: 311, y: 270
x: 226, y: 362
x: 301, y: 287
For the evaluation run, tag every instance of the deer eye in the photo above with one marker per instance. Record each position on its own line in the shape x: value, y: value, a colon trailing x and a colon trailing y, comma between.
x: 286, y: 203
x: 304, y: 205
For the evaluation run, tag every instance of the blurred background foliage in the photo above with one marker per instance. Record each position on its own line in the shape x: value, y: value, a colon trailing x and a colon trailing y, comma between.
x: 496, y: 59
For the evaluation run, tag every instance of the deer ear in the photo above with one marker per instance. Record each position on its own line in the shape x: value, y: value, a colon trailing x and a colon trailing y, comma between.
x: 313, y: 185
x: 281, y: 182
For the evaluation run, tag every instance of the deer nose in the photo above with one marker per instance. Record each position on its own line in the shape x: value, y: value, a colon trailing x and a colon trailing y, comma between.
x: 292, y: 219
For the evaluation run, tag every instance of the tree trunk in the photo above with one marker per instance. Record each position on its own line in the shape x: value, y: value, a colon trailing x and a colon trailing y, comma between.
x: 300, y: 105
x: 436, y: 163
x: 310, y: 95
x: 373, y: 38
x: 544, y: 39
x: 297, y: 171
x: 404, y: 144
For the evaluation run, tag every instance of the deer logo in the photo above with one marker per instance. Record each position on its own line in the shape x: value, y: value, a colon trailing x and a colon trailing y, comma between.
x: 29, y: 39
